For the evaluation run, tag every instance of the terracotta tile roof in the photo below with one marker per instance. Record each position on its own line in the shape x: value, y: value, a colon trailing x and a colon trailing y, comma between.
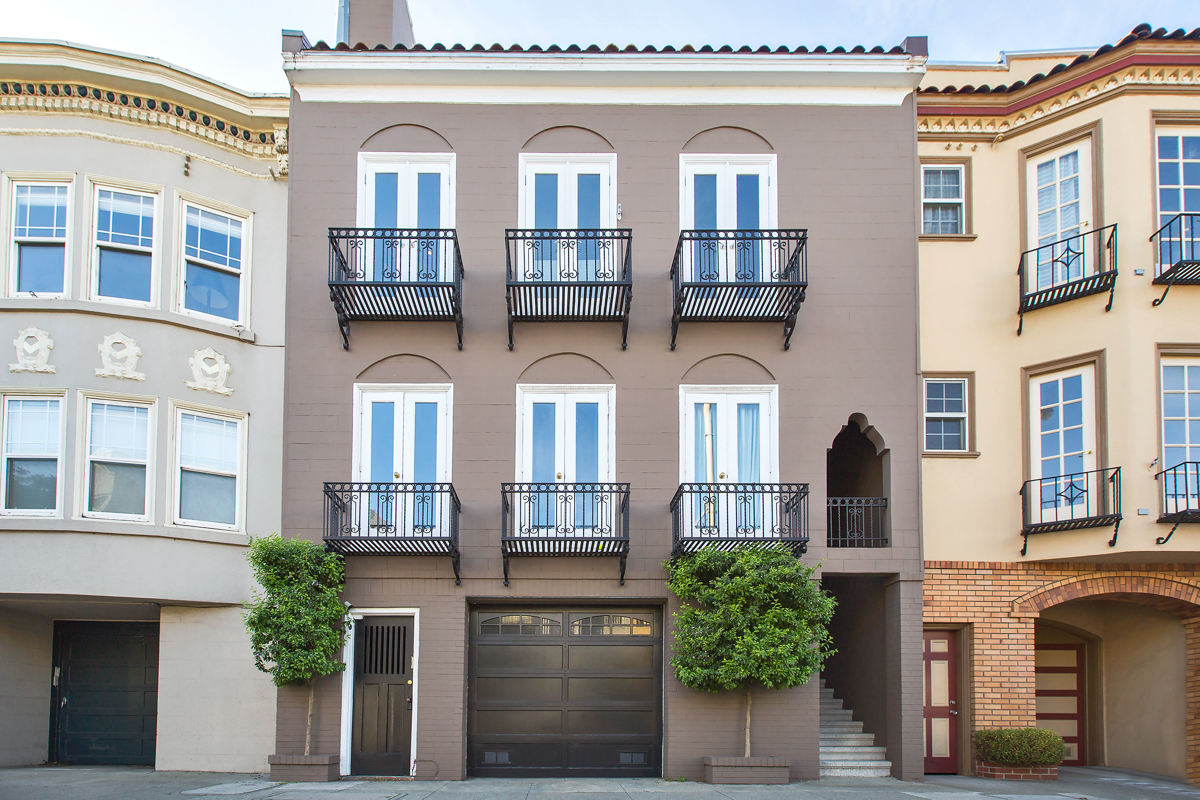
x: 1141, y: 32
x: 898, y: 50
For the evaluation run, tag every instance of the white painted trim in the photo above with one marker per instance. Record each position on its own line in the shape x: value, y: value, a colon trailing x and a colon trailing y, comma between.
x: 772, y: 432
x: 8, y: 219
x: 361, y: 390
x: 568, y: 388
x: 62, y: 396
x: 90, y: 286
x: 348, y: 681
x: 769, y: 160
x: 83, y: 405
x: 176, y: 409
x: 179, y: 272
x: 526, y: 160
x: 367, y: 159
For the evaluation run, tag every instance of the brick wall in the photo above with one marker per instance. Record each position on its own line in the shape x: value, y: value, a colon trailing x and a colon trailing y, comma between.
x: 1000, y: 601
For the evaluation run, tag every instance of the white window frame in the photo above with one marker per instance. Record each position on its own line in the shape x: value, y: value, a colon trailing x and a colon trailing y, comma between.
x: 689, y: 394
x: 92, y: 284
x: 1176, y: 131
x: 11, y: 181
x: 961, y: 202
x: 369, y: 163
x: 770, y: 214
x: 1171, y: 361
x: 1091, y: 417
x: 964, y: 415
x: 61, y: 397
x: 182, y: 201
x: 83, y: 447
x: 177, y: 410
x: 527, y: 164
x: 608, y: 470
x: 1087, y: 205
x: 363, y: 392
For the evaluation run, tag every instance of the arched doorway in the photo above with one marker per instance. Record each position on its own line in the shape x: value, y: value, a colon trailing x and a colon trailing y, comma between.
x: 856, y: 487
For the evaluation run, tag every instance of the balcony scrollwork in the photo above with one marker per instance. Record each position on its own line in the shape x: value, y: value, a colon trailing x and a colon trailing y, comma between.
x: 1179, y: 496
x: 728, y: 515
x: 1071, y: 502
x: 1177, y: 253
x: 1066, y: 270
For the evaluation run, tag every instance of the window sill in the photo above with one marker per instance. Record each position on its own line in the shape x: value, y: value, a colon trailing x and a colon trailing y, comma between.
x: 950, y: 454
x: 125, y: 312
x: 92, y: 526
x: 947, y: 237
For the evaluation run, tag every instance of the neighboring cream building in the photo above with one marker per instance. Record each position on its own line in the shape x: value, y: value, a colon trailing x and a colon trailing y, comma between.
x: 1090, y: 400
x: 143, y: 222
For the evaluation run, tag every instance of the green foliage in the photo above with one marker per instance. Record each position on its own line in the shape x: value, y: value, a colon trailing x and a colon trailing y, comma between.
x: 1019, y: 747
x: 755, y: 616
x: 297, y: 626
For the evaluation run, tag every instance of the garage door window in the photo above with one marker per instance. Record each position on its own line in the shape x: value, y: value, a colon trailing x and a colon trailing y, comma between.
x: 519, y: 625
x: 611, y: 625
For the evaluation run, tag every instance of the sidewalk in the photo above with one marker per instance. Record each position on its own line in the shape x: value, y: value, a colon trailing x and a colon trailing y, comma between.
x: 131, y: 783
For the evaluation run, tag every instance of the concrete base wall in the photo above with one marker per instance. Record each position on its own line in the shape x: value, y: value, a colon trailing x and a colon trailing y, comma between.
x: 216, y: 712
x: 26, y: 645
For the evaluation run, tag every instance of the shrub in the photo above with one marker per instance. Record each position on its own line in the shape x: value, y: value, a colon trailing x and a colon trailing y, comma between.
x: 1019, y: 747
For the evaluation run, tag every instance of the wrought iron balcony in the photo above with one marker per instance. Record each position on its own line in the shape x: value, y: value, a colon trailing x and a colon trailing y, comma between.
x: 857, y: 521
x: 564, y: 519
x: 1178, y: 253
x: 739, y: 276
x: 726, y: 515
x: 393, y: 519
x: 1179, y: 490
x: 1067, y: 270
x: 1071, y: 502
x: 569, y: 276
x: 395, y: 274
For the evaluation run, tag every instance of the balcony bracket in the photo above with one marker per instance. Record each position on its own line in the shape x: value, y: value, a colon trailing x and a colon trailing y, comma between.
x: 674, y: 327
x: 1167, y: 538
x: 1158, y: 302
x: 505, y: 556
x: 1116, y: 529
x: 343, y: 320
x: 455, y: 562
x: 1112, y: 292
x: 625, y: 319
x: 789, y: 328
x: 458, y: 323
x: 1025, y: 543
x: 624, y: 556
x: 508, y: 299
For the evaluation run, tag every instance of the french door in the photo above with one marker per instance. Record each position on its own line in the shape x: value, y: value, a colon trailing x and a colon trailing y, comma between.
x: 1060, y: 214
x: 1062, y: 413
x: 565, y: 455
x: 727, y: 196
x: 401, y: 196
x: 566, y: 194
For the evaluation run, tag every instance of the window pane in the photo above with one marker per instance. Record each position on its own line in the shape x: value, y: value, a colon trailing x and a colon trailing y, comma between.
x: 208, y: 444
x: 704, y: 202
x: 32, y: 428
x: 32, y: 484
x: 213, y: 237
x: 1173, y: 378
x: 587, y: 442
x: 118, y: 432
x: 1168, y: 147
x: 41, y: 212
x: 117, y: 488
x: 747, y: 203
x: 1191, y: 147
x: 212, y: 291
x: 943, y: 184
x: 944, y: 434
x: 125, y: 275
x: 387, y: 199
x: 543, y: 443
x: 545, y: 201
x: 748, y: 456
x: 383, y: 443
x: 207, y: 498
x: 1168, y: 173
x: 40, y: 268
x: 429, y: 199
x: 425, y: 418
x: 125, y: 219
x: 588, y: 201
x: 941, y: 218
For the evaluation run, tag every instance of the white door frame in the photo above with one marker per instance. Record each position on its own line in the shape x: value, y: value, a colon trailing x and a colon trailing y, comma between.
x: 768, y: 214
x: 770, y: 456
x: 565, y: 162
x: 348, y: 681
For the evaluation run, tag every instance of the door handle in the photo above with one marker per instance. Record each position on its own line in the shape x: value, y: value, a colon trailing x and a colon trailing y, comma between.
x: 558, y: 476
x: 953, y: 713
x: 396, y: 475
x: 409, y: 701
x: 721, y: 476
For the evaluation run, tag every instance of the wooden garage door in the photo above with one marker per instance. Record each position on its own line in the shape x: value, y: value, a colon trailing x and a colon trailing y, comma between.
x: 104, y: 700
x: 565, y: 691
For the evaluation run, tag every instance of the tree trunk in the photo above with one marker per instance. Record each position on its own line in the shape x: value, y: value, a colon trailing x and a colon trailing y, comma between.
x: 308, y: 725
x: 749, y: 699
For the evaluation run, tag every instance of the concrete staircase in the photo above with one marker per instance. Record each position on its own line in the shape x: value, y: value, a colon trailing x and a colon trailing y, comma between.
x: 847, y: 752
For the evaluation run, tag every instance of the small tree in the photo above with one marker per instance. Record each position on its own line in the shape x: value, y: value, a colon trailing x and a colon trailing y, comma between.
x: 298, y: 624
x: 756, y: 616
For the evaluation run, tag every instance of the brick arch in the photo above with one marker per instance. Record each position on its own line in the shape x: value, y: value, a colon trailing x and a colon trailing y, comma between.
x: 1128, y: 584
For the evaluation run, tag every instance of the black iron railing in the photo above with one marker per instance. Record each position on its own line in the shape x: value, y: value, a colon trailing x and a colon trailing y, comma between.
x: 739, y: 276
x: 1070, y: 502
x: 1179, y: 492
x: 395, y: 274
x: 857, y: 521
x: 390, y: 519
x: 725, y: 515
x: 1177, y: 253
x: 564, y: 519
x: 569, y: 276
x: 1067, y: 270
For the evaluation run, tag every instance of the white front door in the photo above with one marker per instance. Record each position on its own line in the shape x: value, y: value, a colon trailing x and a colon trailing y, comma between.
x: 400, y: 195
x: 404, y: 437
x: 727, y: 196
x: 1060, y: 212
x: 1062, y: 413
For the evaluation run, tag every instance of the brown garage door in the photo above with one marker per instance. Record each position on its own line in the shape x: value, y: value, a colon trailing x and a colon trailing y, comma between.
x: 565, y: 691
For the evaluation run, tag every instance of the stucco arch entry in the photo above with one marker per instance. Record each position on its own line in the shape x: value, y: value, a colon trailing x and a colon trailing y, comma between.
x: 1165, y: 591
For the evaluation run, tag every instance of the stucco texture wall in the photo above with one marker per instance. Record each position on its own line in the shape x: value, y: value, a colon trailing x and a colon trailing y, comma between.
x: 26, y: 644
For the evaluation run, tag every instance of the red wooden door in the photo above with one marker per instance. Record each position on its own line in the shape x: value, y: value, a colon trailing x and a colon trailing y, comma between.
x: 1059, y: 674
x: 941, y: 702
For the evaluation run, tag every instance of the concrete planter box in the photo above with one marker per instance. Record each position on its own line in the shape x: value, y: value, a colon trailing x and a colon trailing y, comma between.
x: 305, y: 769
x: 1002, y: 773
x: 757, y: 769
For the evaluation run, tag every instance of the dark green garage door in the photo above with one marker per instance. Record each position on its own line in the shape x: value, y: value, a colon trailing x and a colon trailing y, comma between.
x: 565, y: 691
x: 104, y: 701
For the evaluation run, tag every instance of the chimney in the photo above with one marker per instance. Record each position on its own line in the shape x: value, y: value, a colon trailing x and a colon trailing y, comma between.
x: 295, y: 41
x: 375, y: 22
x: 916, y: 45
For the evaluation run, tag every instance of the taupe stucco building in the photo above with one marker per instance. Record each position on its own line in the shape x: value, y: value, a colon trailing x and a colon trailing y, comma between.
x: 465, y: 421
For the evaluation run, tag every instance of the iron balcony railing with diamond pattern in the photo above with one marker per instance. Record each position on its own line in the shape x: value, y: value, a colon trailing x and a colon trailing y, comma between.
x: 1179, y: 494
x: 857, y: 521
x: 1071, y: 502
x: 1066, y: 270
x: 728, y: 515
x: 1177, y: 253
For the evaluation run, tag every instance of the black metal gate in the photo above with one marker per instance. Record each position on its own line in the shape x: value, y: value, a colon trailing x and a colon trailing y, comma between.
x: 565, y: 692
x: 381, y: 743
x: 104, y: 693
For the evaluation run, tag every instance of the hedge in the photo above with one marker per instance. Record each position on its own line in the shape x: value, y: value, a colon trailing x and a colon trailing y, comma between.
x: 1019, y: 747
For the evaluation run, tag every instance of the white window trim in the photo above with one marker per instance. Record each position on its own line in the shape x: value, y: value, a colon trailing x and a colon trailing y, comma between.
x: 177, y: 409
x: 770, y: 219
x: 8, y: 217
x: 91, y: 286
x: 1167, y: 130
x: 1169, y: 361
x: 34, y: 394
x: 1091, y: 416
x: 182, y: 201
x: 771, y: 462
x: 964, y: 415
x: 610, y: 469
x: 366, y: 160
x: 1087, y: 198
x: 527, y: 160
x: 961, y: 202
x: 362, y: 393
x: 82, y: 439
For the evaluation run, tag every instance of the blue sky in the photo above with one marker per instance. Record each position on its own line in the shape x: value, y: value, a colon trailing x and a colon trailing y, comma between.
x: 238, y: 43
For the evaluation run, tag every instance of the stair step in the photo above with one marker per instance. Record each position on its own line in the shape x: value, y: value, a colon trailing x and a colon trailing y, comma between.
x: 836, y: 715
x: 831, y: 702
x: 846, y: 739
x: 853, y: 753
x: 840, y: 727
x: 876, y: 769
